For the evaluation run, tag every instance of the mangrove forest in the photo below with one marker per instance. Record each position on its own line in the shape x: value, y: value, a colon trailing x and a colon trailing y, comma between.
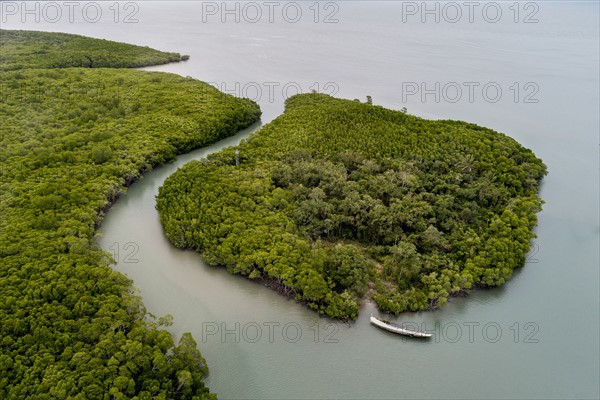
x: 338, y: 200
x: 72, y: 139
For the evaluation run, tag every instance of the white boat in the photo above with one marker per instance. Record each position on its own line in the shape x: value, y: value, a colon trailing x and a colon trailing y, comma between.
x: 388, y: 326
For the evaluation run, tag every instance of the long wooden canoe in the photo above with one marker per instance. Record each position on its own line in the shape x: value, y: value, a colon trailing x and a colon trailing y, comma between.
x: 388, y: 326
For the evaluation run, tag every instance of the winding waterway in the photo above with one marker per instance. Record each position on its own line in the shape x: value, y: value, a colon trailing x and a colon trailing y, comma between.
x: 536, y: 337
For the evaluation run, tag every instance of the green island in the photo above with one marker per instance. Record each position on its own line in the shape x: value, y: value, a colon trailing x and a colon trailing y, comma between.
x: 338, y: 200
x: 32, y: 49
x: 72, y: 139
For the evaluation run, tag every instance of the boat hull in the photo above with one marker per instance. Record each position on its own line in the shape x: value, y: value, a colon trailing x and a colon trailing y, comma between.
x: 396, y: 329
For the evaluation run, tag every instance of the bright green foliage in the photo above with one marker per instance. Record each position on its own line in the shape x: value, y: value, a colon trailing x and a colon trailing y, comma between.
x: 29, y: 49
x: 71, y: 140
x: 336, y: 198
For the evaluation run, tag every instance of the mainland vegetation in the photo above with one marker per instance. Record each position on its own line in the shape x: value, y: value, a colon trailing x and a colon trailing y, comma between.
x: 71, y: 140
x: 30, y: 49
x: 336, y: 200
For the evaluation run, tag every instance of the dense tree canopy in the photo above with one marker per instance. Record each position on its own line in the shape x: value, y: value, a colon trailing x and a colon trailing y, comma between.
x: 71, y: 140
x: 337, y: 199
x: 30, y: 49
